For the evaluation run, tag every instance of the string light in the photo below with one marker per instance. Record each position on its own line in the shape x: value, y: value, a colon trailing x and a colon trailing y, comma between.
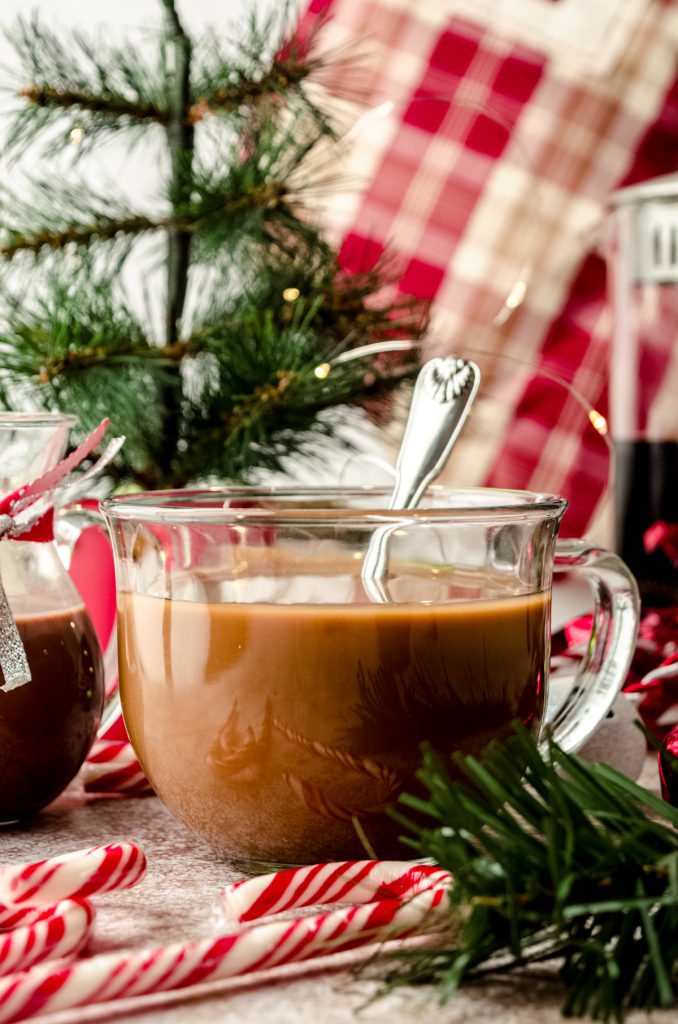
x: 291, y: 294
x: 76, y: 136
x: 598, y: 421
x: 322, y: 370
x: 516, y: 295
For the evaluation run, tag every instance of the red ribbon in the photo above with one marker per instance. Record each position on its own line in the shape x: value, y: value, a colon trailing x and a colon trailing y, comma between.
x: 44, y: 486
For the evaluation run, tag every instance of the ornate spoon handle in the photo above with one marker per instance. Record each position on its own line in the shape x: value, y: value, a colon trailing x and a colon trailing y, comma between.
x: 443, y: 395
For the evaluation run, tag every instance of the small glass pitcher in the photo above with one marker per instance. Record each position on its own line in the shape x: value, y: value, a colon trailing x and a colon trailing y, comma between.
x: 48, y: 725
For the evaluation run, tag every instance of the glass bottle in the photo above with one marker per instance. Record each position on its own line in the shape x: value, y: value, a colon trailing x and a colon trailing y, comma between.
x: 643, y: 256
x: 47, y: 725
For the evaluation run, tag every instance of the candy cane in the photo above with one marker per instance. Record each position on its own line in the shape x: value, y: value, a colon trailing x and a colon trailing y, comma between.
x: 60, y: 931
x: 73, y: 875
x: 349, y: 881
x: 112, y: 767
x: 104, y: 978
x: 112, y: 723
x: 12, y: 917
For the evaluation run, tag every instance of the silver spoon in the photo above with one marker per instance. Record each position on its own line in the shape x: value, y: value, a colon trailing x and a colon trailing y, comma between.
x: 444, y: 392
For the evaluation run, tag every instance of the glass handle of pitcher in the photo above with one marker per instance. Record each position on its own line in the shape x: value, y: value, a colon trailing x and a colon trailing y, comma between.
x: 71, y: 522
x: 610, y: 648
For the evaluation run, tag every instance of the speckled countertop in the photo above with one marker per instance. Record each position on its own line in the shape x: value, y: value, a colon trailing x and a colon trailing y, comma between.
x: 178, y: 900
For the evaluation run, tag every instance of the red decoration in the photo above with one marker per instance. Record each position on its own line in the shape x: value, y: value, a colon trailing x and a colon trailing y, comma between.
x: 653, y: 675
x: 27, y: 496
x: 668, y: 767
x: 663, y: 536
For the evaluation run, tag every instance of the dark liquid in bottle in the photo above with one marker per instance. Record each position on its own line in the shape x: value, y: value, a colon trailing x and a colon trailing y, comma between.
x: 646, y: 489
x: 48, y: 725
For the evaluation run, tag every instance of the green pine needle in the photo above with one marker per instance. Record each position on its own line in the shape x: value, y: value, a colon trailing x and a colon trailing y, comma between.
x: 552, y: 858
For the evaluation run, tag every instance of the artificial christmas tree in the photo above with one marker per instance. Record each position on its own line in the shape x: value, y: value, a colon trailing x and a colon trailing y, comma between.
x: 256, y: 304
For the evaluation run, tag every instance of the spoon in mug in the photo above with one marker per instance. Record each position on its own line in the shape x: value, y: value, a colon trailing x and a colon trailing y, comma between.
x: 443, y: 395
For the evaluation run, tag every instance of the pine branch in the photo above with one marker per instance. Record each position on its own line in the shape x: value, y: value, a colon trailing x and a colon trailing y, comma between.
x: 254, y: 199
x: 115, y: 107
x: 356, y: 308
x: 76, y: 344
x: 552, y: 858
x: 97, y: 88
x: 49, y: 217
x: 102, y: 90
x: 259, y: 385
x: 269, y: 63
x: 216, y: 207
x: 102, y: 230
x: 229, y: 98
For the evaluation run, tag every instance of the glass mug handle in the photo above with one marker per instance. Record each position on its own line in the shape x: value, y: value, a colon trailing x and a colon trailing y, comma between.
x: 70, y: 522
x: 616, y: 615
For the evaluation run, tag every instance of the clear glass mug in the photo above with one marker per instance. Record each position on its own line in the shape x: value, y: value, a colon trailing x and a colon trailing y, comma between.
x: 278, y: 711
x: 48, y: 725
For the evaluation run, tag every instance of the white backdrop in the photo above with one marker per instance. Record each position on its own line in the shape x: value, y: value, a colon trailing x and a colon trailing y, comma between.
x: 125, y: 14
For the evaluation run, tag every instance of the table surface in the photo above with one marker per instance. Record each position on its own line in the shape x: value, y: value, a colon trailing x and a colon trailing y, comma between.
x: 177, y: 900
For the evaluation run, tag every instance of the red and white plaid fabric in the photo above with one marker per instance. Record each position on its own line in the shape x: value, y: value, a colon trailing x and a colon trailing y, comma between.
x: 496, y: 130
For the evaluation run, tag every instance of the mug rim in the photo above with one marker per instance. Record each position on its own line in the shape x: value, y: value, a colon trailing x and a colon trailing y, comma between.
x: 158, y: 506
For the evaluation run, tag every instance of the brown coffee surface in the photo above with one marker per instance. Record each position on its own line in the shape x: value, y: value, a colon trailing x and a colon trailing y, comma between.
x: 269, y: 729
x: 48, y: 725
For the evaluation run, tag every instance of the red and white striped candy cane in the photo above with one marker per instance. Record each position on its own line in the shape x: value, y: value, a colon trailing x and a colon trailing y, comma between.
x: 112, y: 976
x: 12, y: 917
x: 73, y: 875
x: 112, y: 767
x: 59, y: 931
x: 351, y: 881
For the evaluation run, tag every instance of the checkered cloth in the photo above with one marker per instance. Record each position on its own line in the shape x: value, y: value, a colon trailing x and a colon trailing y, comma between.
x: 491, y: 133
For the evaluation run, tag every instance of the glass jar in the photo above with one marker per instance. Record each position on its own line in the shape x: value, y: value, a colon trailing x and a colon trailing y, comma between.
x: 47, y: 725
